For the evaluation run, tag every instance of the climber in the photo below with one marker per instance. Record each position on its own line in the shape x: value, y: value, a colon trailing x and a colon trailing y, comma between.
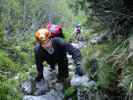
x: 53, y: 50
x: 77, y: 31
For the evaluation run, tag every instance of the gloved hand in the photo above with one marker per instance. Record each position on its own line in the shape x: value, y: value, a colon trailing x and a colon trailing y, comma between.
x: 79, y: 71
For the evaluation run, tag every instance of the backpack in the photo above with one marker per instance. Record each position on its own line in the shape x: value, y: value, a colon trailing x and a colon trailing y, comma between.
x: 78, y: 30
x: 56, y: 30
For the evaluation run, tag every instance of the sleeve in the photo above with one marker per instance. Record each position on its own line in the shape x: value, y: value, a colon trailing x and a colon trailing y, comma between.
x: 38, y: 59
x: 76, y: 54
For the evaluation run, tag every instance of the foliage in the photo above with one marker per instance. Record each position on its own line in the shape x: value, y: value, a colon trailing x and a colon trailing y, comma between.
x: 1, y: 34
x: 114, y: 69
x: 7, y: 66
x: 19, y: 20
x: 114, y: 16
x: 9, y: 90
x: 69, y: 91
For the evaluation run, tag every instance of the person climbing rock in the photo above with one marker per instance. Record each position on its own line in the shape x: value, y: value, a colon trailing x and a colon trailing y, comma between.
x: 77, y: 32
x: 54, y: 50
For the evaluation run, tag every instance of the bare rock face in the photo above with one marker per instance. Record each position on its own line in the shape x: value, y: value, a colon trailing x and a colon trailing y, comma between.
x: 101, y: 38
x: 42, y: 87
x: 79, y: 45
x: 30, y: 87
x: 52, y: 95
x: 79, y: 80
x: 47, y: 89
x: 26, y: 87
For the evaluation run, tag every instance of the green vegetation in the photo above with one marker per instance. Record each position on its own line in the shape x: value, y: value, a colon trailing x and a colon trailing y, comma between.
x: 9, y: 90
x: 21, y: 18
x: 19, y: 21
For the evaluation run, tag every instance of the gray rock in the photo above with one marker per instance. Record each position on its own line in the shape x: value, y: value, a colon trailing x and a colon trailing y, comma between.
x: 90, y: 84
x: 49, y: 75
x: 41, y: 87
x: 79, y: 44
x: 95, y: 40
x: 34, y: 98
x: 101, y: 38
x: 58, y: 87
x: 52, y: 95
x: 26, y: 87
x: 79, y: 80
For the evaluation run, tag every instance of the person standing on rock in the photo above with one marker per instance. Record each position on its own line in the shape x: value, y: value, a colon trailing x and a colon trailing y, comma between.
x: 54, y: 50
x: 77, y: 32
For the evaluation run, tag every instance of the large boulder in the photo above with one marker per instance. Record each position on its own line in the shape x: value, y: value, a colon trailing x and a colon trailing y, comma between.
x: 26, y: 87
x: 53, y: 94
x: 47, y: 89
x: 99, y: 39
x: 79, y: 81
x: 79, y: 45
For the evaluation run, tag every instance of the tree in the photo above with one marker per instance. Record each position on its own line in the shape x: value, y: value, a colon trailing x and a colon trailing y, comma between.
x: 115, y: 15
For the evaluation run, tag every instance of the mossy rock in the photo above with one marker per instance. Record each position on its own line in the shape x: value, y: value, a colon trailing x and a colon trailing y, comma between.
x: 70, y: 91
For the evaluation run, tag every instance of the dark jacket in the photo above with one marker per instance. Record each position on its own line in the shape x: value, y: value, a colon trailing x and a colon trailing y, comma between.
x: 59, y: 56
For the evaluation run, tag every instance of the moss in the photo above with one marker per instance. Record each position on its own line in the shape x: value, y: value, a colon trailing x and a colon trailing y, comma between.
x: 70, y: 92
x: 5, y: 62
x: 9, y: 90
